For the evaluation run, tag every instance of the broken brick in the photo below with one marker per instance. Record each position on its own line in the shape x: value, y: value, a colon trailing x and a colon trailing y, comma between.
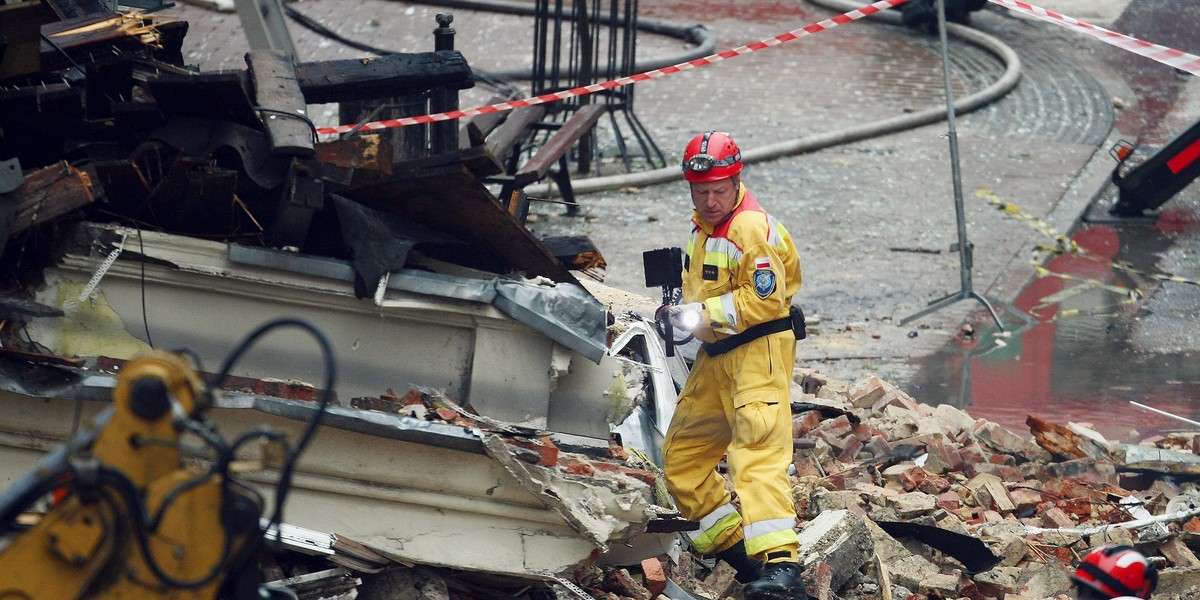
x: 545, y: 448
x: 621, y: 583
x: 1056, y: 518
x: 654, y: 578
x: 805, y: 422
x: 932, y: 484
x: 949, y: 501
x: 865, y: 392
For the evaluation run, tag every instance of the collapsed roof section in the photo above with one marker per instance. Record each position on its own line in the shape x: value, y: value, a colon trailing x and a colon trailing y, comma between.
x: 145, y: 204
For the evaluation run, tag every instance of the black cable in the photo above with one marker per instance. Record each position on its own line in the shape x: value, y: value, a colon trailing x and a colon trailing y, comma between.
x: 142, y: 252
x: 285, y: 477
x: 312, y: 127
x: 48, y: 483
x: 135, y: 508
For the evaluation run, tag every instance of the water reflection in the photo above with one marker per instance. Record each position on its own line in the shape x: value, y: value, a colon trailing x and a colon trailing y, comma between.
x: 1074, y: 360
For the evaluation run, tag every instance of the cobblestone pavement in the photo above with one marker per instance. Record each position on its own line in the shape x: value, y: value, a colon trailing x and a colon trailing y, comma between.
x: 874, y: 220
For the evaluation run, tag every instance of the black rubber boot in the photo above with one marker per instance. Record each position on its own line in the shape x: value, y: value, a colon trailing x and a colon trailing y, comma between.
x: 747, y: 568
x: 779, y: 581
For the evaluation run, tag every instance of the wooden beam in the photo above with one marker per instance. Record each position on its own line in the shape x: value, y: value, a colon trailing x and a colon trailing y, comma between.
x: 559, y: 144
x: 513, y: 130
x: 280, y: 103
x: 49, y: 193
x: 384, y: 77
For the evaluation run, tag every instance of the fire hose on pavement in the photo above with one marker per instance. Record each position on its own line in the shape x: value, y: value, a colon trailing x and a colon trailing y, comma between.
x: 811, y: 143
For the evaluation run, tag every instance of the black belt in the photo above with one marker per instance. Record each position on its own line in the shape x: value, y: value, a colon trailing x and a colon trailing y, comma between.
x: 794, y: 321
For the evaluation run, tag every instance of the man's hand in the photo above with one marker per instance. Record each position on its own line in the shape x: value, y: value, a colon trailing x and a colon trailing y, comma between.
x: 686, y: 316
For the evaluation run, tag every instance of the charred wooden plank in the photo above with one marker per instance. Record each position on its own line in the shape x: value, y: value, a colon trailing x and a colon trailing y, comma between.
x: 475, y: 130
x: 344, y: 177
x: 69, y: 9
x: 49, y: 193
x: 280, y: 103
x: 383, y: 77
x: 20, y: 25
x: 513, y: 130
x: 452, y: 200
x: 35, y: 122
x: 82, y: 38
x: 220, y: 96
x: 559, y: 144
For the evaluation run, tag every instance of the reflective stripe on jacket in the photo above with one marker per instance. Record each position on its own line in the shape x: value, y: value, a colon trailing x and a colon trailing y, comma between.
x: 744, y: 269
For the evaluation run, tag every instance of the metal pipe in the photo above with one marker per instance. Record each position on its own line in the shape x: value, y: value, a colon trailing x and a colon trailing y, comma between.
x: 1165, y: 413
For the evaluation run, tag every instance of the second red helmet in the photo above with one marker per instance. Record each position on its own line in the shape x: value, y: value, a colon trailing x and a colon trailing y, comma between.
x: 1116, y: 571
x: 711, y: 156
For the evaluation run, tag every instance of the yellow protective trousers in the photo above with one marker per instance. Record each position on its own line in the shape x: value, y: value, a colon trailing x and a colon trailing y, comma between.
x: 736, y: 403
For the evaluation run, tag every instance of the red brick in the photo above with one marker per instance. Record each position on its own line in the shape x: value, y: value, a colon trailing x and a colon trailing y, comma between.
x: 1025, y: 498
x: 544, y: 446
x: 1054, y: 517
x: 1065, y: 556
x: 932, y: 484
x: 834, y: 441
x: 1192, y: 525
x: 806, y: 466
x: 866, y: 392
x: 853, y: 445
x: 654, y: 578
x: 943, y: 459
x: 949, y: 501
x: 575, y: 466
x: 805, y: 422
x: 838, y: 427
x: 292, y: 390
x: 878, y: 446
x: 618, y: 581
x: 822, y: 582
x: 846, y: 479
x: 413, y: 396
x: 1004, y: 472
x: 616, y: 451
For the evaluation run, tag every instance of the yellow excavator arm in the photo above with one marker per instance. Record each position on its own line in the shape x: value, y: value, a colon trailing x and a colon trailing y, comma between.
x: 131, y: 520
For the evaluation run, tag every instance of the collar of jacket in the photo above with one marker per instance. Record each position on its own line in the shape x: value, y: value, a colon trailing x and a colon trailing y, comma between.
x: 745, y: 201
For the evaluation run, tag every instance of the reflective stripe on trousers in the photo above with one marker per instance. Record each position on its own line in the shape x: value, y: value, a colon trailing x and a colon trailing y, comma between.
x: 737, y: 403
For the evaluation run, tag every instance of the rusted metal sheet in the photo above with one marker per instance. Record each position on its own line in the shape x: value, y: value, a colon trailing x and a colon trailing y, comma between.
x: 369, y: 153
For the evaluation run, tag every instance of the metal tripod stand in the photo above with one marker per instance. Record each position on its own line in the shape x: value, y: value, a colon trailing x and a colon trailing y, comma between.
x: 964, y: 246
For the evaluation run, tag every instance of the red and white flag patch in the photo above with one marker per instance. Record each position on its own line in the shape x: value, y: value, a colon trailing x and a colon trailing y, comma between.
x: 762, y: 262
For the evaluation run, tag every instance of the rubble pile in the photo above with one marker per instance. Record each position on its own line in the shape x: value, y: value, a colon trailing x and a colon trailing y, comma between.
x: 900, y: 500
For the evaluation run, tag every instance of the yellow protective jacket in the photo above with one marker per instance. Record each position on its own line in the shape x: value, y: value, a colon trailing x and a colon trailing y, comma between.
x: 745, y: 269
x: 737, y: 405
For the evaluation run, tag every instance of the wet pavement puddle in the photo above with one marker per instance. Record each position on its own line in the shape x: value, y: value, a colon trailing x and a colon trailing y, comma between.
x: 1074, y: 359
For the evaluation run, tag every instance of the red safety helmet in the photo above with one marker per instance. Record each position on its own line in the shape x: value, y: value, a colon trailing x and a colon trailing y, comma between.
x: 1114, y: 571
x: 711, y: 156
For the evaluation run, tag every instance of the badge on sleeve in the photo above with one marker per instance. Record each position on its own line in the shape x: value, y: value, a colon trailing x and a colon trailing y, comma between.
x: 764, y: 277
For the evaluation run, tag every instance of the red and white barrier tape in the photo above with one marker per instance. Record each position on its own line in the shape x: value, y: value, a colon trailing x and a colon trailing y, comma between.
x: 830, y: 23
x: 1167, y: 56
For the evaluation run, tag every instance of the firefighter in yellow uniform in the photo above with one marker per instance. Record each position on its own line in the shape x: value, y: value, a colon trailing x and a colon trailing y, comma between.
x: 741, y: 270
